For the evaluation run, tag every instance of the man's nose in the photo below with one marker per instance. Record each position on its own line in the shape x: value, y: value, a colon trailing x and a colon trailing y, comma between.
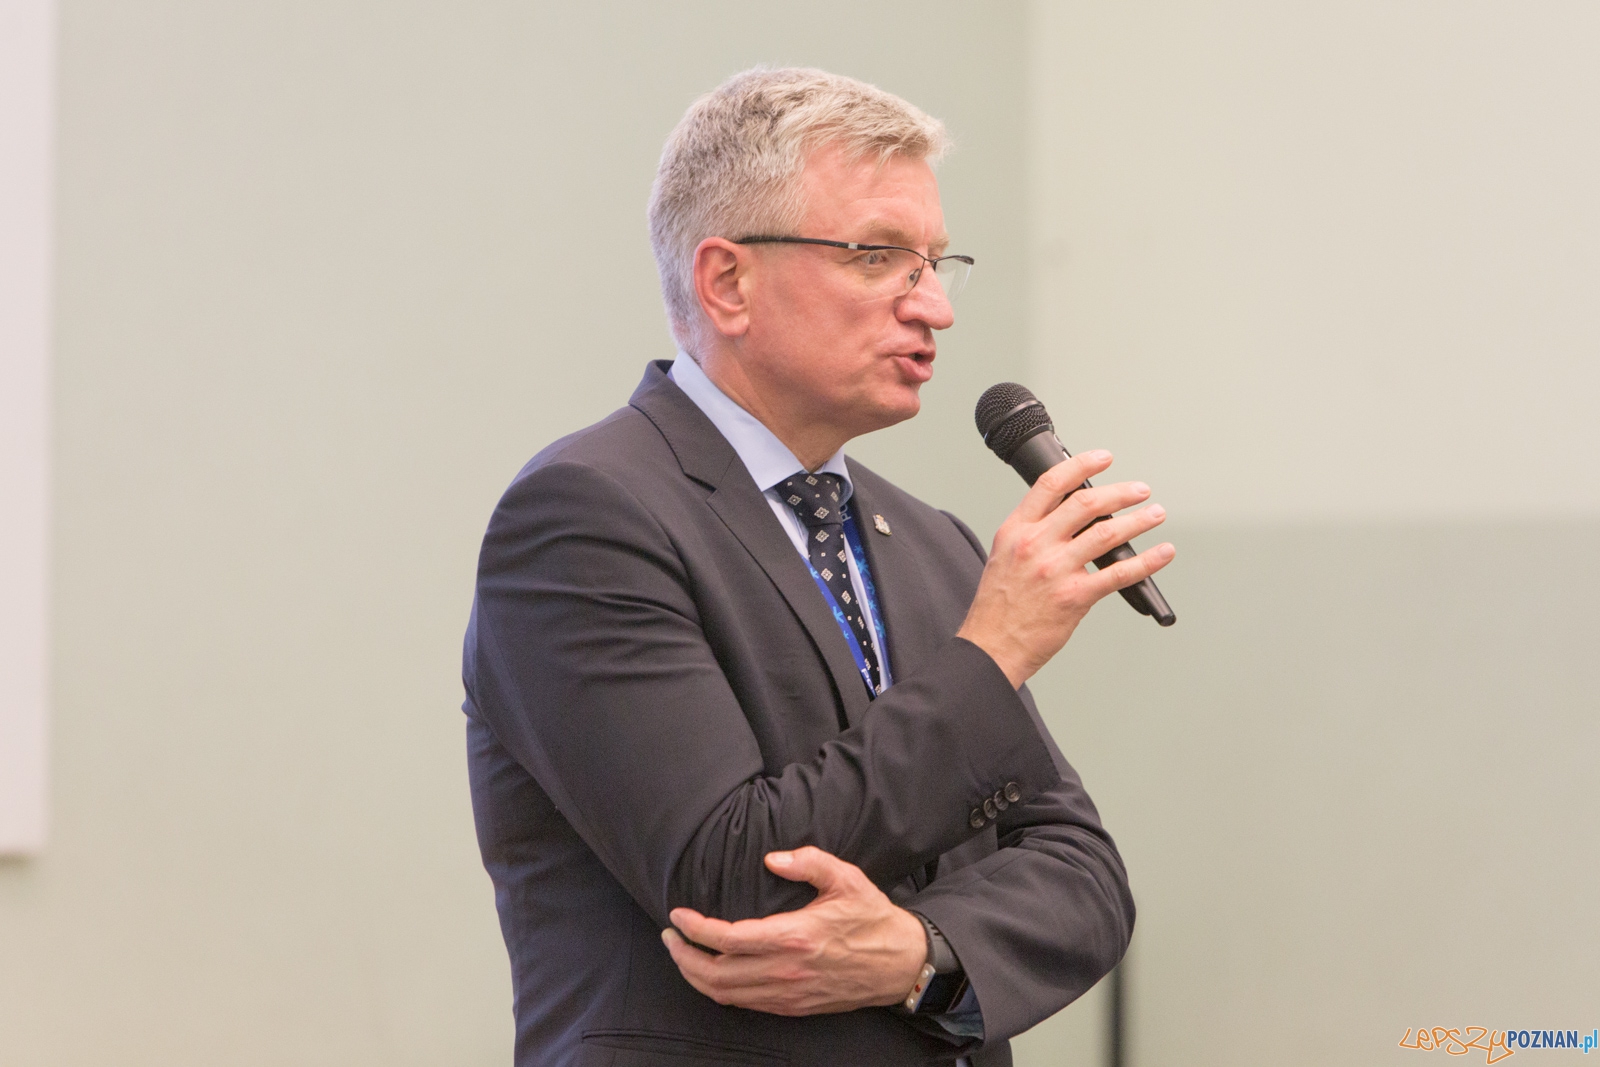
x: 927, y: 302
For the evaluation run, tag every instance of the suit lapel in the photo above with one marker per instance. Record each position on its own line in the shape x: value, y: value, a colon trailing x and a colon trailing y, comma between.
x: 707, y: 458
x: 750, y: 519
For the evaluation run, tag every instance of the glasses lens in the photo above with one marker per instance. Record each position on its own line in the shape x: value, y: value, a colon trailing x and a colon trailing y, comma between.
x: 887, y: 271
x: 896, y: 271
x: 953, y: 274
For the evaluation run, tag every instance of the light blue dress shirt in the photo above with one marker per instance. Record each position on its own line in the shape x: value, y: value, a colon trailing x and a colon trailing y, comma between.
x: 769, y: 462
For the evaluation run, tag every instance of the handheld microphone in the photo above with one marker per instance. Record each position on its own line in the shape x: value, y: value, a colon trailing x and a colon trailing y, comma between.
x: 1017, y: 428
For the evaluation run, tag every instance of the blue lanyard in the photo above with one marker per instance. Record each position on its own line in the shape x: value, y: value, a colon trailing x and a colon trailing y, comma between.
x: 853, y: 537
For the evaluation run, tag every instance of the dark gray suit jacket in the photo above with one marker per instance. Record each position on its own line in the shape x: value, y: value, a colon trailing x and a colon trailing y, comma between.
x: 657, y: 696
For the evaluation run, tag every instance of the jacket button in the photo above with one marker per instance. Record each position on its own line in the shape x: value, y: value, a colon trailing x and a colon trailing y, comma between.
x: 990, y: 809
x: 975, y: 820
x: 1013, y: 794
x: 1000, y: 800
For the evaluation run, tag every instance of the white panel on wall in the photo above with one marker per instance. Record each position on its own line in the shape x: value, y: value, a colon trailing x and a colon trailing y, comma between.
x: 27, y: 51
x: 1323, y: 261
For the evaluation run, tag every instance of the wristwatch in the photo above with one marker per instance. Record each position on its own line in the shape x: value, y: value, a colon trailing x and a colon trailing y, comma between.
x: 941, y: 982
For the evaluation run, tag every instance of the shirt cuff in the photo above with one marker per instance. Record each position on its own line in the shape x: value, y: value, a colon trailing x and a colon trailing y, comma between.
x: 965, y: 1019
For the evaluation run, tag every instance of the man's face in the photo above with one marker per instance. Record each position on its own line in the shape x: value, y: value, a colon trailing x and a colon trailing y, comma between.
x: 841, y: 352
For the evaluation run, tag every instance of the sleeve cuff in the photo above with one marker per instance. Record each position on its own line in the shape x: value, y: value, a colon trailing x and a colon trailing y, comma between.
x: 965, y: 1019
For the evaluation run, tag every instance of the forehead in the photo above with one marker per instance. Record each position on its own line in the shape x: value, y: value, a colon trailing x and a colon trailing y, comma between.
x: 895, y: 202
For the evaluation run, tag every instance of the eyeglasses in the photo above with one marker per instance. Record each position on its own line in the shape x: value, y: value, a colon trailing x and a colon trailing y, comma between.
x: 888, y: 270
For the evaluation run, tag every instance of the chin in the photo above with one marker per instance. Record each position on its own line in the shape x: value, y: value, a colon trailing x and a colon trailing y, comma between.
x: 898, y: 409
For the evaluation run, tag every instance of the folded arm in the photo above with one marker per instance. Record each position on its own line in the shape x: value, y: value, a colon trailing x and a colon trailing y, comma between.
x: 1035, y: 925
x: 595, y: 672
x: 1040, y: 920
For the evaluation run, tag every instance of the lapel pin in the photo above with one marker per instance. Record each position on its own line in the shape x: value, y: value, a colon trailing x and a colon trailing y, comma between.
x: 881, y: 525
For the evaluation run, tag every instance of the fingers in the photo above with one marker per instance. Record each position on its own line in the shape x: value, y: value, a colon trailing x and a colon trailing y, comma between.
x: 1086, y: 505
x: 729, y: 973
x: 701, y: 929
x: 1058, y: 481
x: 766, y: 972
x: 1099, y: 538
x: 744, y: 937
x: 697, y: 967
x: 1137, y: 568
x: 849, y: 948
x: 838, y: 881
x: 1064, y: 511
x: 685, y: 955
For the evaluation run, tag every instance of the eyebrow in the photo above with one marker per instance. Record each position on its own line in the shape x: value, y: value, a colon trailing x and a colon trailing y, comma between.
x: 889, y: 234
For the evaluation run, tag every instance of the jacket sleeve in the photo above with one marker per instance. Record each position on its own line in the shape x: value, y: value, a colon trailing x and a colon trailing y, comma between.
x: 594, y: 671
x: 1039, y: 921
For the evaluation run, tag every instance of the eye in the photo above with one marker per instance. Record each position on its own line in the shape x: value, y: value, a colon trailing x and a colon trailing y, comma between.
x: 875, y: 258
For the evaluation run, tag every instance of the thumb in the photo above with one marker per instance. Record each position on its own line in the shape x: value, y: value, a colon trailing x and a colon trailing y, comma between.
x: 822, y: 869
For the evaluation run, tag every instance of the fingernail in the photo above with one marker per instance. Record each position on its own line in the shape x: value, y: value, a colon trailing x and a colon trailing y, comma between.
x: 1141, y: 488
x: 1157, y: 511
x: 780, y: 859
x: 1100, y: 455
x: 1166, y: 551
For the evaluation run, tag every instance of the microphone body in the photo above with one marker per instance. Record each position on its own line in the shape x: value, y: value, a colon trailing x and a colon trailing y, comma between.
x: 1015, y: 425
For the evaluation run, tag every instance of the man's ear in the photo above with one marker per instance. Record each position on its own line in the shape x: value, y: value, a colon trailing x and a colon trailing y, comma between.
x: 722, y: 284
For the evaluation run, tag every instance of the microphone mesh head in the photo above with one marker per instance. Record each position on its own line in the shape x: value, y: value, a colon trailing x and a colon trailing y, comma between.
x: 1007, y: 415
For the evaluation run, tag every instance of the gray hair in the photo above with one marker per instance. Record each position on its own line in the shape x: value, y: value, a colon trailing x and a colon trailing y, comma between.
x: 732, y: 166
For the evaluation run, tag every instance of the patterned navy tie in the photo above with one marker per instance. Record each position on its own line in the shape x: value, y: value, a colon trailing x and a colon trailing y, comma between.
x: 815, y: 499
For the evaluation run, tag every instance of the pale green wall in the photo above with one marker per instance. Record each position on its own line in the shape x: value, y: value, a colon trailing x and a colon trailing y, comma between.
x: 1350, y: 247
x: 1324, y: 275
x: 329, y: 274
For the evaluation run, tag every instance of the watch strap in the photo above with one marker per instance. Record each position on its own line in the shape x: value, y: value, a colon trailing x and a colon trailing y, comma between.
x: 942, y: 982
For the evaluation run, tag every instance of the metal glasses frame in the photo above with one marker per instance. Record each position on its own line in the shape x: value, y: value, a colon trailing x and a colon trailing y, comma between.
x: 856, y: 246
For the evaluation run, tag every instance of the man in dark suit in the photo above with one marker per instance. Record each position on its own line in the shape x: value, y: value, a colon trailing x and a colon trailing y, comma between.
x: 754, y: 770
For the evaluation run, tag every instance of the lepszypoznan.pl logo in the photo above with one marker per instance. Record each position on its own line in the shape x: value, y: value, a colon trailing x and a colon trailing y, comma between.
x: 1496, y: 1045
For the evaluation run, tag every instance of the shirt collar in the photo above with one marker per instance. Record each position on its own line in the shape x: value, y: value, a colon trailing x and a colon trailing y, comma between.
x: 768, y: 459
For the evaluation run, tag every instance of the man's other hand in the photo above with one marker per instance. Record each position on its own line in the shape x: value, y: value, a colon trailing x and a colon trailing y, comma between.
x: 849, y: 948
x: 1037, y: 585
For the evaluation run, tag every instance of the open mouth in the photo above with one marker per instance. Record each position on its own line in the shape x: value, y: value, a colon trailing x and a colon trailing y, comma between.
x: 918, y: 366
